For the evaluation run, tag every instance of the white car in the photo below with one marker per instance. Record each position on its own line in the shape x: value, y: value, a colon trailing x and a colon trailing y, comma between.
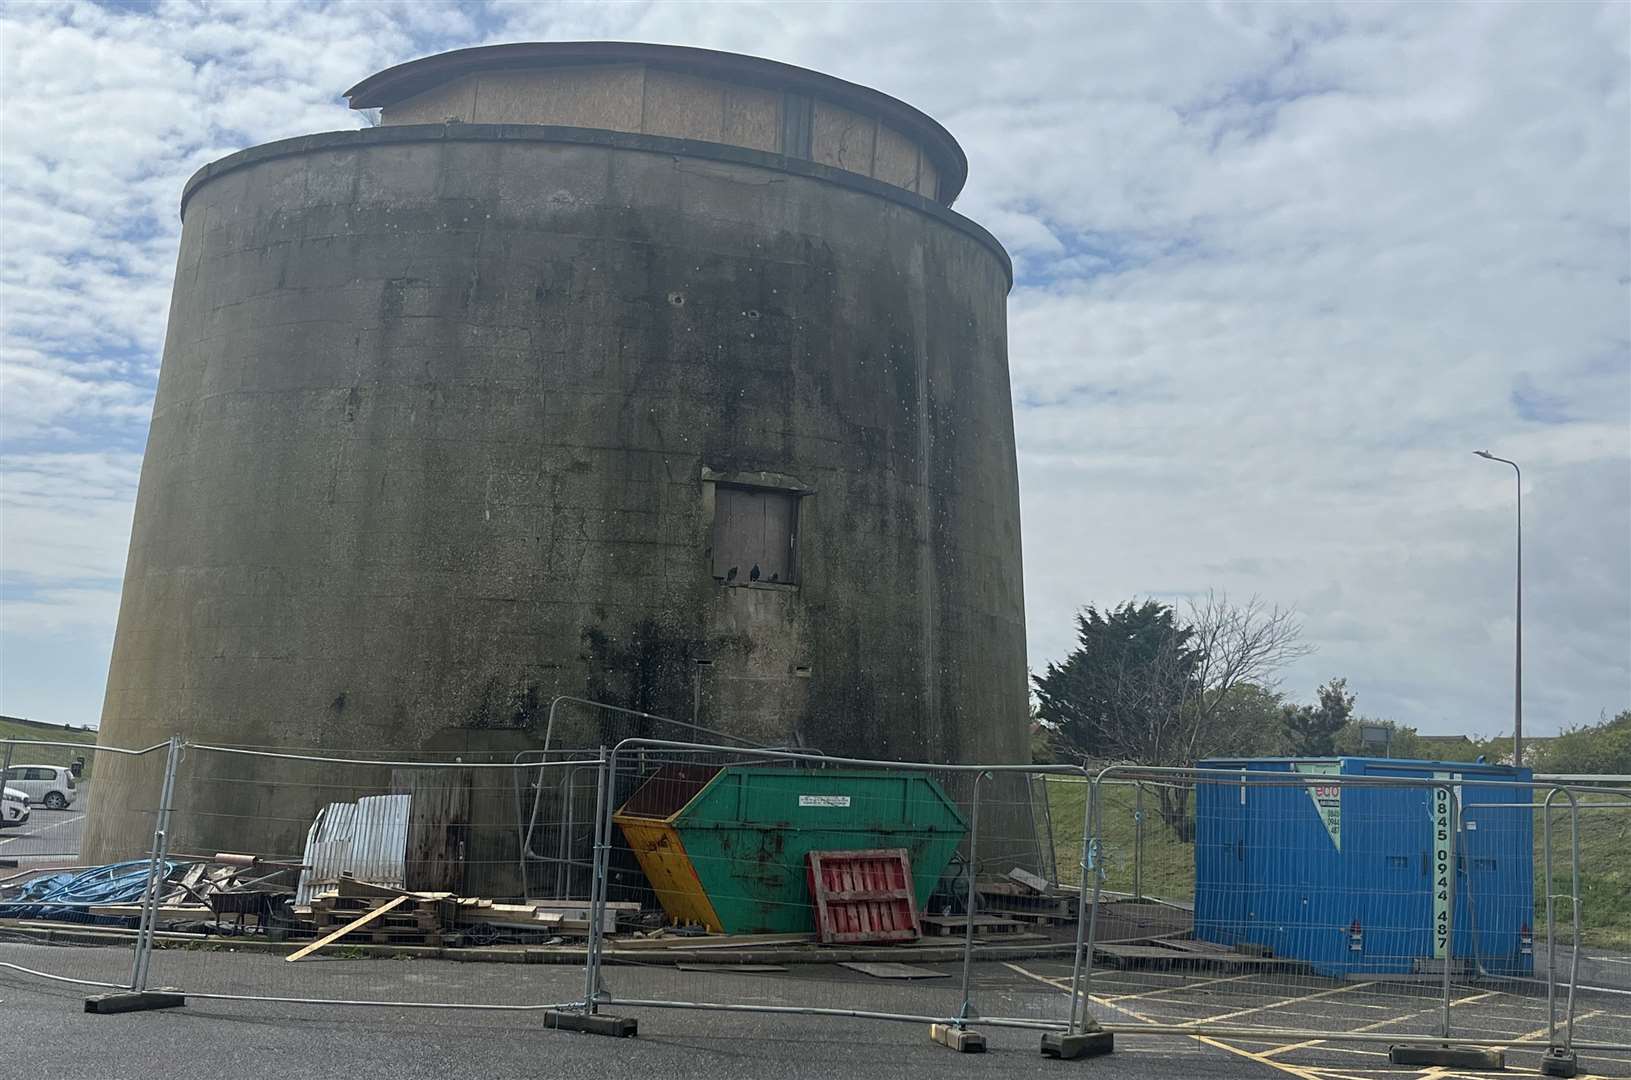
x: 51, y: 786
x: 13, y: 808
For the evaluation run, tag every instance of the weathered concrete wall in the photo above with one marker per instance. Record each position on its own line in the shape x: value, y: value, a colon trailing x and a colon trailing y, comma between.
x: 650, y: 99
x: 436, y: 437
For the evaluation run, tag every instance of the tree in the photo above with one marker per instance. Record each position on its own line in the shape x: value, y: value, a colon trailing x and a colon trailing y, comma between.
x: 1041, y: 744
x: 1247, y: 719
x: 1145, y: 687
x: 1118, y: 695
x: 1242, y: 649
x: 1603, y: 747
x: 1404, y: 741
x: 1312, y: 729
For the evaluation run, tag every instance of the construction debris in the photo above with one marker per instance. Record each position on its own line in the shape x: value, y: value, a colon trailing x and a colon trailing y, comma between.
x: 418, y: 918
x: 957, y: 925
x: 731, y: 969
x: 369, y: 916
x: 366, y: 839
x: 434, y: 919
x: 1030, y: 881
x: 1025, y: 897
x: 198, y: 890
x: 863, y: 896
x: 893, y: 971
x: 68, y: 895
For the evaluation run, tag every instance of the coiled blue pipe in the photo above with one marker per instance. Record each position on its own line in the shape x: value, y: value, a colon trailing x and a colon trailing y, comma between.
x: 67, y: 896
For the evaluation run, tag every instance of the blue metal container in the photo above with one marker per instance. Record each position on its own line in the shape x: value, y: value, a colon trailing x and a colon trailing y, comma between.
x: 1355, y: 879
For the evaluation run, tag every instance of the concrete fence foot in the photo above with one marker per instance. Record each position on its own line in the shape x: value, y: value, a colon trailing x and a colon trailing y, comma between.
x: 1560, y: 1062
x: 124, y: 1001
x: 618, y: 1027
x: 1449, y: 1057
x: 1057, y: 1044
x: 959, y: 1039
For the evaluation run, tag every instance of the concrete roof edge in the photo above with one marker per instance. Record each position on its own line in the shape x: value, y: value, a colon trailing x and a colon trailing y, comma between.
x: 659, y: 144
x: 416, y: 76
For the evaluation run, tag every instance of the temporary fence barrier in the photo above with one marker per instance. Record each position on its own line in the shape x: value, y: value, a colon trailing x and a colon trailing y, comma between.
x: 1413, y: 897
x: 418, y: 854
x: 555, y: 826
x: 721, y: 836
x: 1587, y: 962
x: 1242, y: 903
x: 51, y: 928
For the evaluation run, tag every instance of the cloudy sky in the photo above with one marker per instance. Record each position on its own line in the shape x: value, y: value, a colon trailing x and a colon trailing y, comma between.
x: 1281, y: 269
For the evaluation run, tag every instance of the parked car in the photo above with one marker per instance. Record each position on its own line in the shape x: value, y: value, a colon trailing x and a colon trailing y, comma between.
x: 13, y: 808
x: 51, y: 786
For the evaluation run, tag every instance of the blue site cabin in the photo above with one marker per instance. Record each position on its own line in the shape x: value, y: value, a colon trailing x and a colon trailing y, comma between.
x: 1354, y: 879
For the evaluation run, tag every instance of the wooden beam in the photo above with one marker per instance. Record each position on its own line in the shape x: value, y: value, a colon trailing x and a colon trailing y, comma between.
x: 348, y: 927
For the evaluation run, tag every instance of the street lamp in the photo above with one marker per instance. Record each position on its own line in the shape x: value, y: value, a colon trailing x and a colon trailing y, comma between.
x: 1517, y: 662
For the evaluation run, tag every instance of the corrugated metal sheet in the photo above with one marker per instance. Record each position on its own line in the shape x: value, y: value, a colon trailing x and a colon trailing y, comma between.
x: 367, y: 839
x: 379, y: 840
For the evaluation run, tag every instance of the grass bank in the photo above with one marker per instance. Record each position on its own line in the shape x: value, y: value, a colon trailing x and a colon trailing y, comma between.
x: 27, y: 731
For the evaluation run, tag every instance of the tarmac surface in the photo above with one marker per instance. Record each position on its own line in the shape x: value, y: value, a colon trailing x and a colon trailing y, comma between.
x: 50, y: 1036
x: 48, y: 835
x: 46, y: 1033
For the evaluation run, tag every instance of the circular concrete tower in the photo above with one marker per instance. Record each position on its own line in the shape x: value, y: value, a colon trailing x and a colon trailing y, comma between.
x: 656, y: 376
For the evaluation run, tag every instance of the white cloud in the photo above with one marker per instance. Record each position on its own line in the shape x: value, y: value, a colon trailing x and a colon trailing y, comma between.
x: 1282, y: 268
x: 65, y: 521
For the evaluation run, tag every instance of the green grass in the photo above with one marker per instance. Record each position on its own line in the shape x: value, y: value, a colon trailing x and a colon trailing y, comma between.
x: 1168, y: 865
x: 1605, y: 873
x: 23, y: 754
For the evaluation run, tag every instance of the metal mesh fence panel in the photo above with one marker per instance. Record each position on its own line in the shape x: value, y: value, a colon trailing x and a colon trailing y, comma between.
x: 1298, y: 904
x: 782, y: 882
x: 1590, y: 859
x: 1320, y: 905
x: 60, y: 906
x: 391, y: 880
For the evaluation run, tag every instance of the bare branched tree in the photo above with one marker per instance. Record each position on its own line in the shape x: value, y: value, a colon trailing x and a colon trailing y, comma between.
x: 1237, y: 645
x: 1146, y: 687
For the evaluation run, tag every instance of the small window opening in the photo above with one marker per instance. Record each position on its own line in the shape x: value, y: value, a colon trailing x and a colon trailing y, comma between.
x: 755, y: 538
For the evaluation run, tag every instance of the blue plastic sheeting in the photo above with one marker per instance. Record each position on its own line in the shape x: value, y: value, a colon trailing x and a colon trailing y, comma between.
x: 66, y: 896
x: 1357, y: 879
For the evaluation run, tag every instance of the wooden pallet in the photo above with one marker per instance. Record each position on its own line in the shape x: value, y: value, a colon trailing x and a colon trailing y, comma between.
x: 333, y: 911
x: 389, y: 936
x: 1019, y: 900
x: 957, y: 925
x: 415, y: 918
x: 1162, y: 955
x: 398, y: 928
x: 435, y: 918
x: 862, y: 896
x: 1209, y: 948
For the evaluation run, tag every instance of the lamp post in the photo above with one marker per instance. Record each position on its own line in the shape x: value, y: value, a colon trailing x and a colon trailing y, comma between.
x: 1517, y: 661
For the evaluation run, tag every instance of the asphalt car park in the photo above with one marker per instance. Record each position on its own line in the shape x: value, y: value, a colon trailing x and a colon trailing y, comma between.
x: 48, y: 834
x: 275, y: 1038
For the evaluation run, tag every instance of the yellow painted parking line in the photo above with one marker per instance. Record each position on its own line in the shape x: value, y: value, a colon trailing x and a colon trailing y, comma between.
x: 1189, y: 986
x: 1311, y: 1072
x: 1537, y: 1033
x: 1281, y: 1004
x: 1302, y: 1072
x: 1297, y: 1071
x: 1325, y: 1048
x: 1384, y: 1023
x: 1062, y: 984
